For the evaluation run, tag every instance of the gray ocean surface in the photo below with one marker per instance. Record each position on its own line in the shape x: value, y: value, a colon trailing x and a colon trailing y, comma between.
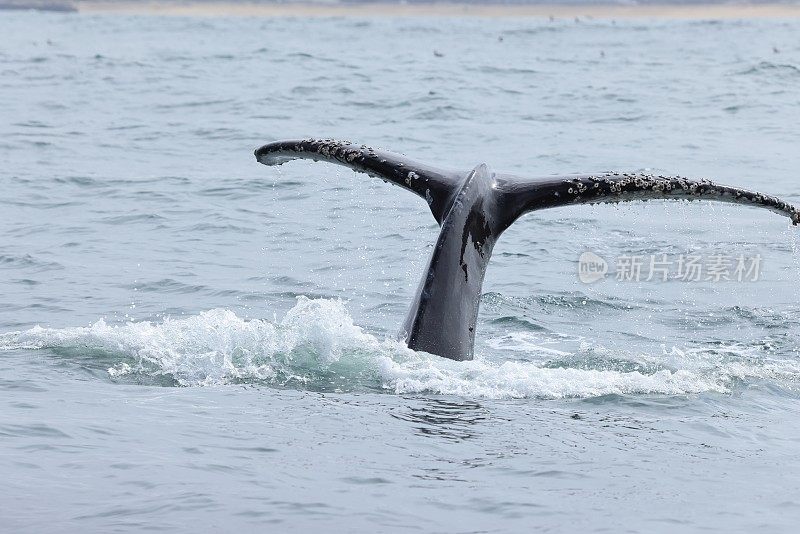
x: 190, y: 341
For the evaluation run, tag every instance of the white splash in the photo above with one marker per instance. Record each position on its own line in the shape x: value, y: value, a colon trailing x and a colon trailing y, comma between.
x: 317, y: 346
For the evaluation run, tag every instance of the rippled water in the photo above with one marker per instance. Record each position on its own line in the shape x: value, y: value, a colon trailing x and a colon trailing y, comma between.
x: 189, y: 340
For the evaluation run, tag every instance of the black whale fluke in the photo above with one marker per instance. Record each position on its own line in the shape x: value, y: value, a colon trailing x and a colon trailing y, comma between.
x: 473, y: 208
x: 434, y: 185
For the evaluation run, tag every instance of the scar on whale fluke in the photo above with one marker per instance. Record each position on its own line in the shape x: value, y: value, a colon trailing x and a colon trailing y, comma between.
x: 474, y: 207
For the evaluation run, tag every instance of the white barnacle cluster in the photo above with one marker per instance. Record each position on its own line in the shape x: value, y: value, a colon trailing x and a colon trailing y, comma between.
x: 788, y: 209
x: 577, y: 186
x: 674, y: 182
x: 651, y: 182
x: 341, y: 150
x: 614, y: 185
x: 659, y: 186
x: 410, y: 177
x: 325, y: 147
x: 617, y: 183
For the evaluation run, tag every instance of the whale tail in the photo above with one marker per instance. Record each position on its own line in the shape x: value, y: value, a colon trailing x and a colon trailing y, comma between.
x: 474, y: 208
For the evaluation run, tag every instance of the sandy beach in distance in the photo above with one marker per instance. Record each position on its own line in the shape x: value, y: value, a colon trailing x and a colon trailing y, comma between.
x: 213, y: 9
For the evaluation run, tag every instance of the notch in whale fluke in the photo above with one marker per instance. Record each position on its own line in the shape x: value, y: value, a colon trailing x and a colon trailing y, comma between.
x: 473, y: 209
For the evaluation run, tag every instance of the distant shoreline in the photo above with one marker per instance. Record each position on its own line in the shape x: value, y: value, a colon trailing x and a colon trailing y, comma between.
x: 246, y: 9
x: 707, y: 11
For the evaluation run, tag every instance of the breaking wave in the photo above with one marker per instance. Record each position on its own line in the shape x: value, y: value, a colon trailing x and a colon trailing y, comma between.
x: 316, y: 346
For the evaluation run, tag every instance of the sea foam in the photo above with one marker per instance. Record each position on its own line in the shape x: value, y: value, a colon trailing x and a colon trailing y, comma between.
x: 317, y: 346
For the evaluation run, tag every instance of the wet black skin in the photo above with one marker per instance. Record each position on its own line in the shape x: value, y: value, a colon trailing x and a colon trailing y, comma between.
x: 474, y: 208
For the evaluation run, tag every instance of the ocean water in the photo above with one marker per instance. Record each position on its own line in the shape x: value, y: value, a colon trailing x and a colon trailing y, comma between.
x: 190, y: 341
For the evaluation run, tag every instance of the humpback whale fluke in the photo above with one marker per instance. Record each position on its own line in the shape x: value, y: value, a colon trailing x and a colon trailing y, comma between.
x: 473, y: 208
